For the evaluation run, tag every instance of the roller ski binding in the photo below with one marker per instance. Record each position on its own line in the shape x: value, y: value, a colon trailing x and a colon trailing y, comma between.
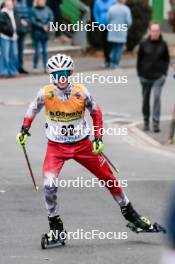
x: 57, y: 234
x: 140, y: 224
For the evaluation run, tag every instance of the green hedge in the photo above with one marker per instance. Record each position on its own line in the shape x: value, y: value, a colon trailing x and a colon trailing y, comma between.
x: 141, y: 13
x: 70, y: 10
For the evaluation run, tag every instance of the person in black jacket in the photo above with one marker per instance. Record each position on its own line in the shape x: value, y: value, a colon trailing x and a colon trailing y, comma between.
x: 5, y: 24
x: 152, y: 67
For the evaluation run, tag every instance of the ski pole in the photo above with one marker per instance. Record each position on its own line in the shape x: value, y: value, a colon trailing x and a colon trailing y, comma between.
x: 29, y: 167
x: 111, y: 164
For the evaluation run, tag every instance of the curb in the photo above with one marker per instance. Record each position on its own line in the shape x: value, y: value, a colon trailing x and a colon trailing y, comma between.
x: 137, y: 138
x: 70, y: 50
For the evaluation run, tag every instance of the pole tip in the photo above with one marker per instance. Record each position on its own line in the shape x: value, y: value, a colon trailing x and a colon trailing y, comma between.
x: 37, y: 188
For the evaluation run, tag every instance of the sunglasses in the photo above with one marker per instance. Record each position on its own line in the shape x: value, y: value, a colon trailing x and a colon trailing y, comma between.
x: 61, y: 74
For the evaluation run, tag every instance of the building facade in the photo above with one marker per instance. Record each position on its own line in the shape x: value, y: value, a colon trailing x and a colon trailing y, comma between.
x: 161, y: 9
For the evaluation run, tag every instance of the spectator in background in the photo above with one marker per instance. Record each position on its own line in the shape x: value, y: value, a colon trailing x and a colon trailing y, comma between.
x: 29, y: 3
x: 100, y: 12
x: 41, y: 17
x: 8, y: 45
x: 5, y: 23
x: 152, y: 67
x: 22, y: 11
x: 119, y: 15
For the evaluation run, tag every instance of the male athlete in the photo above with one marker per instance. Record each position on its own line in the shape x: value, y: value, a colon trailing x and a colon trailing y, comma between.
x: 68, y: 138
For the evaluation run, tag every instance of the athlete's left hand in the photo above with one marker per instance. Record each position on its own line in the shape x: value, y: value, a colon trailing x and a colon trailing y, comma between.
x: 98, y: 146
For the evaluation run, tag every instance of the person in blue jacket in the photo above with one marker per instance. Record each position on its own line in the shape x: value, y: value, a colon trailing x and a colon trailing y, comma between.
x: 100, y: 11
x: 119, y: 16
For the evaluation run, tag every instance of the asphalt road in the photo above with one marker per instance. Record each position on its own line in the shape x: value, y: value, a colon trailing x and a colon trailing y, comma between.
x: 23, y: 218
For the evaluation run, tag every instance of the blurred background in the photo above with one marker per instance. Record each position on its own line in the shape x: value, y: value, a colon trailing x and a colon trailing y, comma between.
x: 89, y: 43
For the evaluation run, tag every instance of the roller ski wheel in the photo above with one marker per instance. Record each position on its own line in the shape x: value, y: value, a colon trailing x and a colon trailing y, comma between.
x: 138, y: 223
x: 48, y: 240
x: 153, y: 228
x: 44, y: 241
x: 57, y: 234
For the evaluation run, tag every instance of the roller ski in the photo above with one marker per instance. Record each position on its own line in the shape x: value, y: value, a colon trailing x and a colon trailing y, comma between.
x: 57, y: 234
x: 140, y: 224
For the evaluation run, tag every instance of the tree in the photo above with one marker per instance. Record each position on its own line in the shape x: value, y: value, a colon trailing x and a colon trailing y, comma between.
x: 172, y: 15
x: 141, y: 13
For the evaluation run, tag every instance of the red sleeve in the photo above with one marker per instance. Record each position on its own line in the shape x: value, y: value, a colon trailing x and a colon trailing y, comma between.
x: 27, y: 122
x: 97, y: 122
x: 34, y: 108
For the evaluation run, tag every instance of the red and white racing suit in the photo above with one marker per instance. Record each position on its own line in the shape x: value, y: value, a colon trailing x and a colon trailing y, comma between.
x: 65, y: 109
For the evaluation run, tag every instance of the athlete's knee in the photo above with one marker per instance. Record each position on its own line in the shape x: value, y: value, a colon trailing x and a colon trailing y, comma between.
x: 50, y: 194
x: 50, y: 183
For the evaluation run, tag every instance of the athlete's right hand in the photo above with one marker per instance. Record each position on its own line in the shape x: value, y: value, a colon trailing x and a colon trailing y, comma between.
x: 23, y: 135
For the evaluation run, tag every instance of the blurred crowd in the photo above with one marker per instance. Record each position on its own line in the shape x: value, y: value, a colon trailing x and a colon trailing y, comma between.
x: 153, y: 55
x: 113, y: 12
x: 19, y: 18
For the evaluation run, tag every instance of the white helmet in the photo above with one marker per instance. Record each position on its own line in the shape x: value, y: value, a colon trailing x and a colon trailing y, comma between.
x: 60, y: 62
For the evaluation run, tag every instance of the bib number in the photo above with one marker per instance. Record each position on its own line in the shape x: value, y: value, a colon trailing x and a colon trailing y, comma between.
x: 67, y: 130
